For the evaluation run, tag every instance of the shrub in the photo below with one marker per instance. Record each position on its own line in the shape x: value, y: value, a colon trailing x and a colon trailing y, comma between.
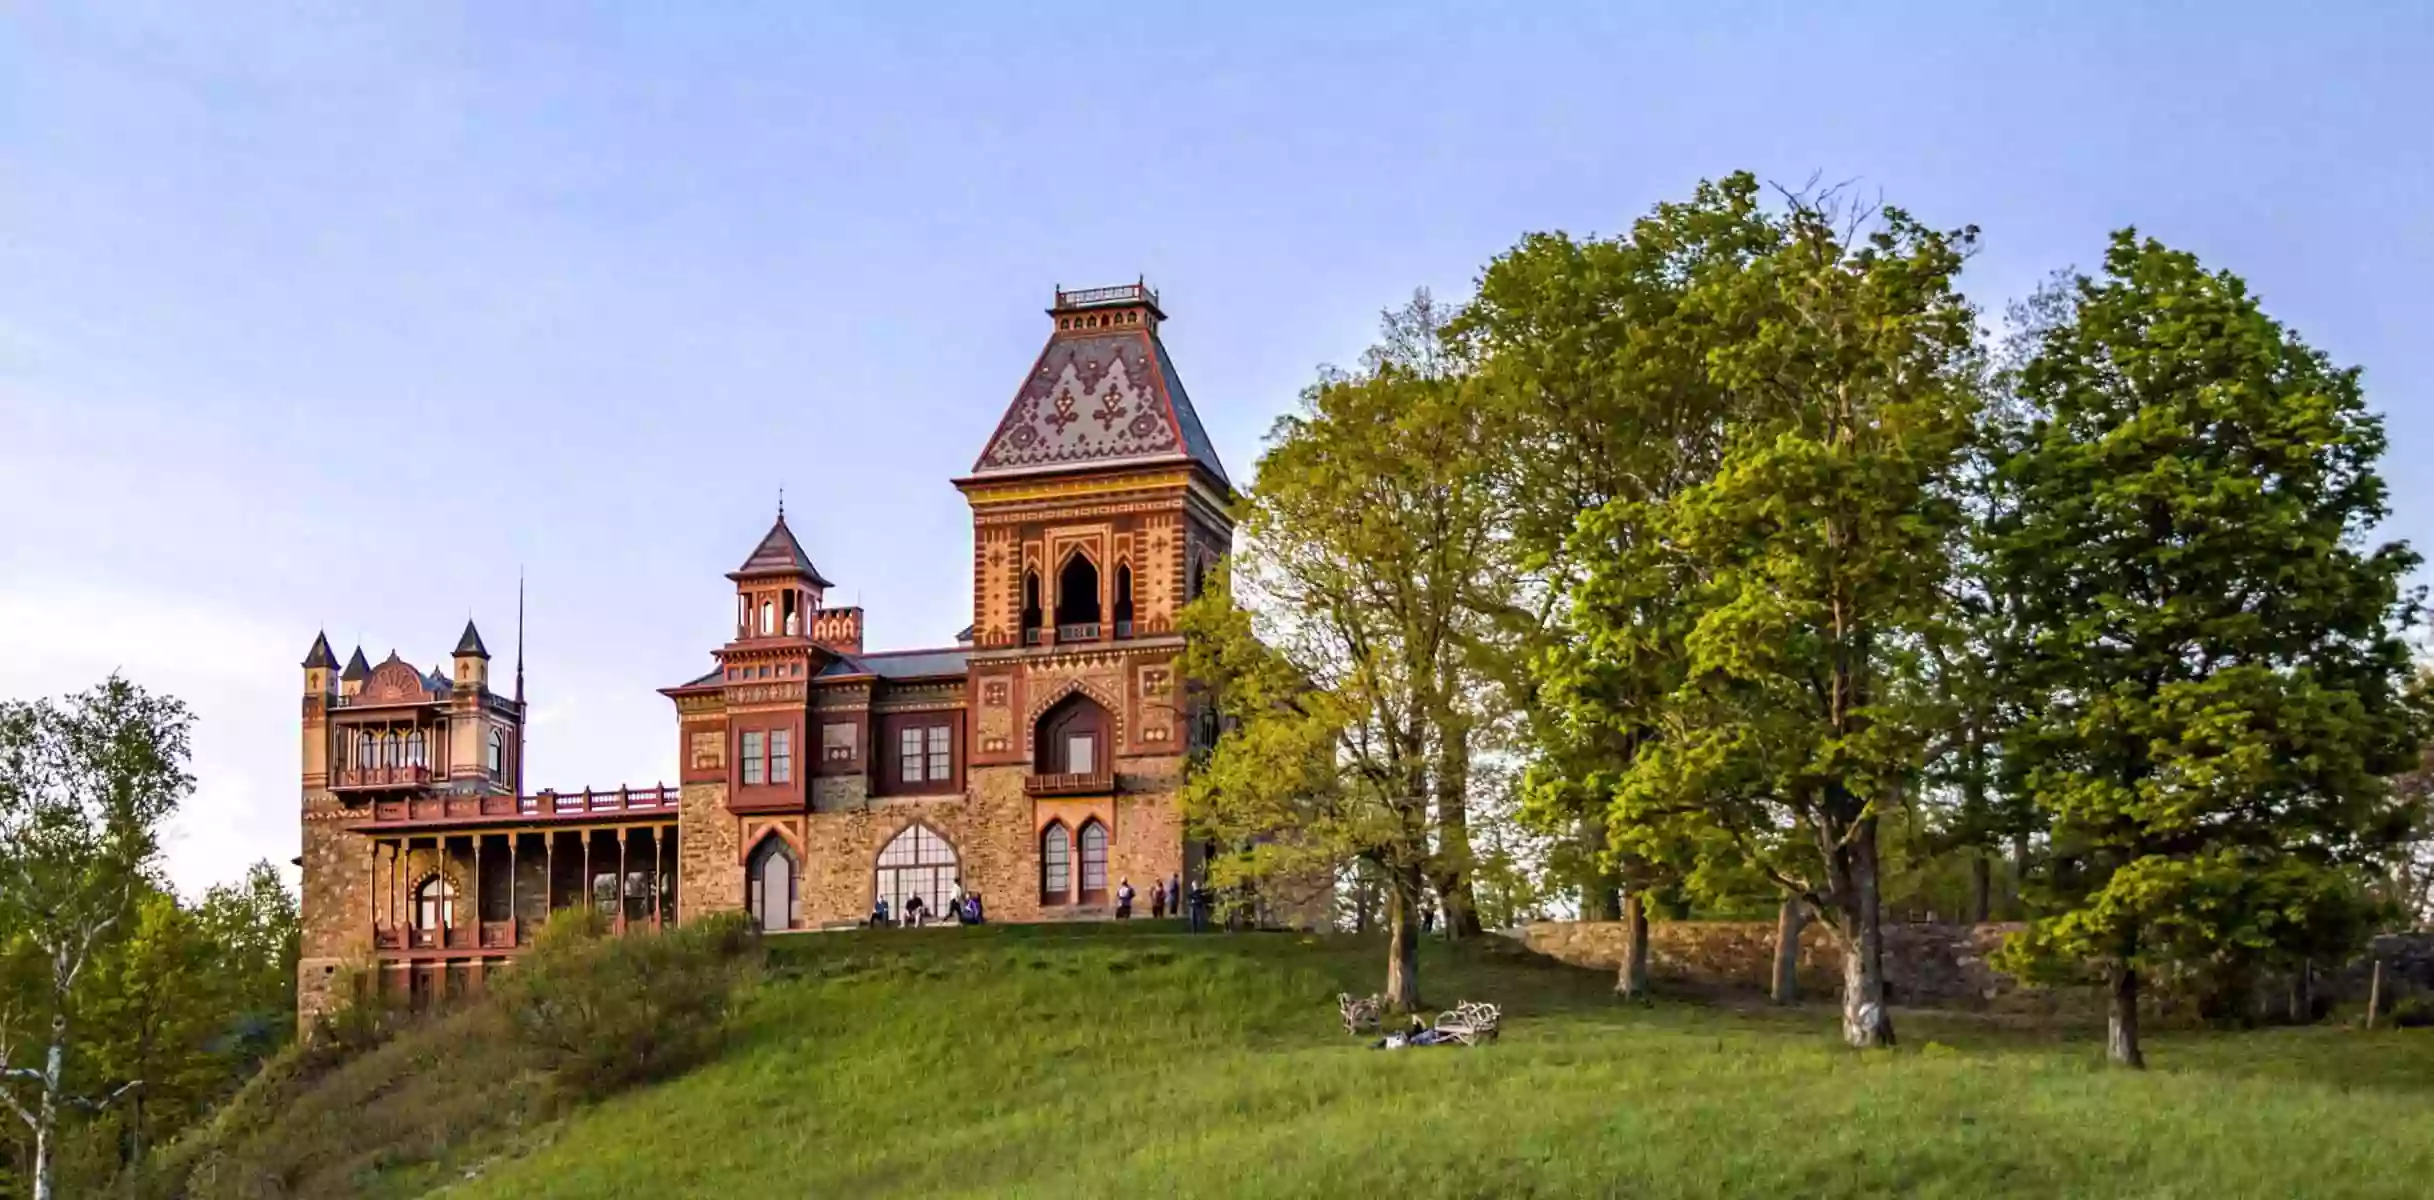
x: 601, y: 1013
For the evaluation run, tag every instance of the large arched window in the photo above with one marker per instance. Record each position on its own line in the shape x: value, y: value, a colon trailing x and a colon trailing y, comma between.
x: 1094, y: 862
x: 769, y: 885
x: 1077, y: 598
x: 392, y: 750
x: 1123, y: 613
x: 414, y: 749
x: 494, y: 758
x: 1056, y: 864
x: 1072, y: 738
x: 769, y: 618
x: 367, y: 751
x: 434, y: 904
x: 1031, y: 607
x: 917, y: 862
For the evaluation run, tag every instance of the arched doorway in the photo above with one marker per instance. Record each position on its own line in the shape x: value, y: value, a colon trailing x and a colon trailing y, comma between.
x: 1074, y: 737
x: 916, y: 862
x: 769, y: 885
x: 434, y: 907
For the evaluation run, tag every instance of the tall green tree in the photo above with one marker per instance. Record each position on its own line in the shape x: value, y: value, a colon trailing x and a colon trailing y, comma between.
x: 85, y: 788
x: 1591, y: 361
x: 2213, y: 649
x: 1799, y: 580
x: 1337, y: 645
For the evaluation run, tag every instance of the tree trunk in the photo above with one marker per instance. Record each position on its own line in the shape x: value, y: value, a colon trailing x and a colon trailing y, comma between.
x: 2019, y: 874
x: 1981, y: 883
x: 1601, y: 891
x: 1631, y: 981
x: 1403, y: 942
x: 1788, y: 922
x: 1453, y: 875
x: 1865, y: 1021
x: 2121, y: 1021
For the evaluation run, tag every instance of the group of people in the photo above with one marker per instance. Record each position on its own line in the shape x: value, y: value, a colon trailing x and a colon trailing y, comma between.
x: 1167, y: 897
x: 964, y: 909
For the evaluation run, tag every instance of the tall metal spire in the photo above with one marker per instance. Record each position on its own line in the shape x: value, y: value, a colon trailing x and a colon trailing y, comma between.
x: 520, y: 714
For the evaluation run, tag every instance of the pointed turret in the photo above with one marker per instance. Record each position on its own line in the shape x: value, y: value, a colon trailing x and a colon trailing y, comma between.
x: 472, y: 659
x: 779, y: 554
x: 351, y: 680
x: 320, y: 667
x: 1103, y: 393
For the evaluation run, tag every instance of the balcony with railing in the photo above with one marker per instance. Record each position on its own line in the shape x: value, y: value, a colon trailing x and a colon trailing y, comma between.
x: 1070, y: 783
x: 658, y: 800
x: 380, y: 778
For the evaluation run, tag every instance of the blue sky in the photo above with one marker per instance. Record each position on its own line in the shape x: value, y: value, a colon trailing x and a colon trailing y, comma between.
x: 316, y: 317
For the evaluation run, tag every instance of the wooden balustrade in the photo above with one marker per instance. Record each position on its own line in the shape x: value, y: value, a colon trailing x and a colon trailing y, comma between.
x: 1070, y: 783
x: 544, y: 806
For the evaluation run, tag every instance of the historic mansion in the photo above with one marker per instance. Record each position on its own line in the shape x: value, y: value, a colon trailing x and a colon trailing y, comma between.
x: 1036, y: 760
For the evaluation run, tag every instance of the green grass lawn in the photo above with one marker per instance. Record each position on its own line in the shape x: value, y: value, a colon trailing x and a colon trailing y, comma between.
x: 1143, y: 1061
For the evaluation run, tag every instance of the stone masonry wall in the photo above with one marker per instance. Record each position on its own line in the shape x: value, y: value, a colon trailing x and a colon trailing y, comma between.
x: 1926, y: 965
x: 709, y: 863
x: 334, y: 908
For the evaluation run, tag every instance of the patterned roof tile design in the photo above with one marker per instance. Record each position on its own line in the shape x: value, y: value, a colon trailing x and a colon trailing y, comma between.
x: 1102, y: 396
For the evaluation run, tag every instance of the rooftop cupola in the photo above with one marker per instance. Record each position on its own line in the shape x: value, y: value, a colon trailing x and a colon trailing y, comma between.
x: 777, y: 590
x: 472, y: 658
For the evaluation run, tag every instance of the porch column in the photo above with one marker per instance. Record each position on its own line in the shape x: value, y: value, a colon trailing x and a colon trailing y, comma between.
x: 515, y: 929
x: 549, y: 869
x: 624, y: 832
x: 477, y: 891
x: 591, y: 897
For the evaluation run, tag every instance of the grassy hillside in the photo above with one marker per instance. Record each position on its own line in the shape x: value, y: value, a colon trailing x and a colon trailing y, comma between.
x: 1142, y: 1061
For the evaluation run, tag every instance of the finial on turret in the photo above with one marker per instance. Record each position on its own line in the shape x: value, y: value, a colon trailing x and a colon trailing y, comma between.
x: 781, y: 502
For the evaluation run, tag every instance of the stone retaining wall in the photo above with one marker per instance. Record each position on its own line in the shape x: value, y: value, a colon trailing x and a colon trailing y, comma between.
x: 1927, y: 965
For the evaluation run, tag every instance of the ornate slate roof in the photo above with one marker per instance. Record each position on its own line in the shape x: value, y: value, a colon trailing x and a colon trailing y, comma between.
x: 357, y: 668
x: 1100, y: 395
x: 471, y: 643
x: 899, y: 664
x: 779, y: 554
x: 319, y: 655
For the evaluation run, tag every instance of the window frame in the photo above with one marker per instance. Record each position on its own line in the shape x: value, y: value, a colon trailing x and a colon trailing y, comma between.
x: 781, y: 756
x: 1082, y: 840
x: 752, y: 756
x: 1056, y: 871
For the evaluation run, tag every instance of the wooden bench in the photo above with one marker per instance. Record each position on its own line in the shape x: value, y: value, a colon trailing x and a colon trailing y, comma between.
x: 1359, y: 1014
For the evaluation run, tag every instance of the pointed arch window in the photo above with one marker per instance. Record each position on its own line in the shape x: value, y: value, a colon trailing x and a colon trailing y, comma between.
x: 1031, y: 608
x: 367, y: 751
x: 769, y: 618
x: 392, y: 750
x: 1094, y: 862
x: 1056, y: 864
x: 1077, y: 599
x: 415, y: 749
x: 494, y: 757
x: 1123, y: 614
